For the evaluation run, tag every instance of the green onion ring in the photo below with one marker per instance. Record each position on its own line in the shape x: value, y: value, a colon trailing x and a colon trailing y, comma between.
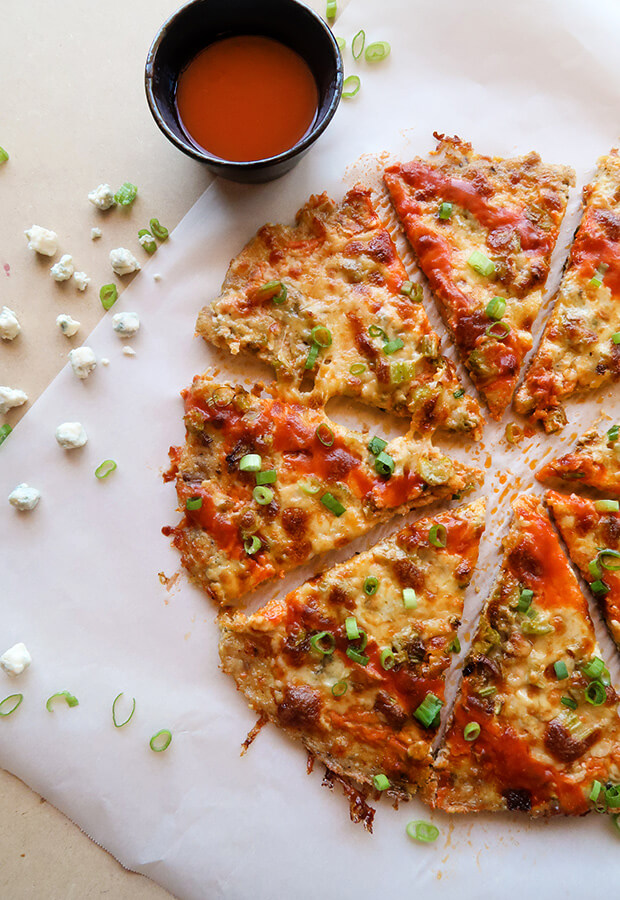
x: 250, y: 462
x: 503, y: 333
x: 371, y: 583
x: 381, y: 782
x: 193, y: 503
x: 471, y: 731
x: 317, y: 642
x: 596, y: 693
x: 252, y: 545
x: 64, y: 695
x: 387, y: 658
x: 309, y: 488
x: 312, y: 357
x: 331, y: 10
x: 495, y: 309
x: 263, y: 495
x: 128, y: 720
x: 17, y: 697
x: 321, y: 335
x: 126, y: 194
x: 5, y: 431
x: 149, y: 246
x: 358, y: 42
x: 607, y: 505
x: 106, y: 467
x: 422, y: 831
x: 614, y: 555
x: 377, y: 331
x: 339, y: 689
x: 326, y: 436
x: 108, y: 294
x: 351, y: 86
x: 158, y: 230
x: 357, y: 368
x: 377, y: 51
x: 269, y: 476
x: 157, y: 745
x: 438, y: 536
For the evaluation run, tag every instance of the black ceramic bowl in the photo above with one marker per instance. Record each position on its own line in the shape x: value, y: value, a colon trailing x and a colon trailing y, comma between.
x: 200, y: 23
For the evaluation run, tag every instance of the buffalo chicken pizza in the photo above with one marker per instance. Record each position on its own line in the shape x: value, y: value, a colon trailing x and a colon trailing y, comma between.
x: 535, y: 726
x: 483, y: 230
x: 580, y: 346
x: 328, y: 303
x: 352, y: 663
x: 594, y: 463
x: 591, y: 531
x: 264, y: 485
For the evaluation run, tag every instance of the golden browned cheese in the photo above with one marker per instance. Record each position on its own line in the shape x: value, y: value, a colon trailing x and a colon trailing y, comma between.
x: 586, y: 531
x: 533, y: 752
x: 327, y: 488
x: 337, y: 269
x: 577, y: 351
x: 461, y: 209
x: 352, y: 701
x: 595, y: 463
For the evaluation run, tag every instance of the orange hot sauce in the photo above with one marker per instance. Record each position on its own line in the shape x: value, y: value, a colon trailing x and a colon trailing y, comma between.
x: 246, y: 97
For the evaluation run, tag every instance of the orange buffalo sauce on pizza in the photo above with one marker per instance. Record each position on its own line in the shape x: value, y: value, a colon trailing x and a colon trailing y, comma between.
x: 247, y: 97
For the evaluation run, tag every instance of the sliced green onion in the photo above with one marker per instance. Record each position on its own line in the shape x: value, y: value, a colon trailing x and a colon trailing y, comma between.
x: 458, y: 394
x: 481, y: 263
x: 357, y: 44
x: 607, y: 505
x: 339, y: 688
x: 370, y: 585
x: 3, y: 158
x: 321, y: 335
x: 129, y: 718
x: 381, y: 782
x: 401, y: 370
x: 496, y: 308
x: 324, y: 642
x: 561, y: 671
x: 333, y: 505
x: 612, y: 796
x: 612, y: 434
x: 108, y: 294
x: 536, y: 623
x: 325, y: 434
x: 594, y: 568
x: 252, y: 545
x: 454, y: 645
x: 613, y: 554
x: 278, y: 290
x: 568, y: 701
x: 428, y: 710
x: 377, y: 331
x: 312, y: 356
x: 445, y: 210
x: 351, y: 86
x: 149, y: 246
x: 422, y: 831
x: 599, y: 273
x: 498, y: 330
x: 161, y: 741
x: 487, y: 691
x: 310, y: 487
x: 384, y: 464
x: 615, y: 338
x: 407, y: 288
x: 158, y: 230
x: 251, y: 462
x: 410, y: 601
x: 270, y: 476
x: 262, y: 495
x: 63, y: 695
x: 12, y: 702
x: 106, y: 467
x: 193, y: 503
x: 387, y: 658
x: 595, y: 790
x: 594, y: 668
x: 599, y: 587
x: 5, y: 431
x: 471, y: 731
x: 596, y: 693
x: 126, y: 194
x: 392, y: 346
x: 351, y: 628
x: 331, y: 9
x: 342, y: 43
x: 357, y: 368
x: 513, y: 433
x: 438, y: 536
x: 525, y: 600
x: 357, y: 657
x: 376, y: 445
x: 412, y: 290
x: 377, y: 51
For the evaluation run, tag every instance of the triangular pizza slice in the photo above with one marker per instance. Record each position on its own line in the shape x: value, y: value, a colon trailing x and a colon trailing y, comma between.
x: 535, y: 725
x: 483, y: 230
x: 328, y: 303
x: 591, y: 531
x: 352, y: 663
x: 580, y: 346
x: 265, y: 485
x: 595, y: 463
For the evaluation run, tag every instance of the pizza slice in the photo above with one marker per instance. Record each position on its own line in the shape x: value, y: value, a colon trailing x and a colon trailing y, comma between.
x: 580, y: 346
x: 591, y: 531
x: 328, y: 303
x: 483, y: 230
x: 595, y: 463
x: 265, y: 485
x: 352, y: 663
x: 535, y: 725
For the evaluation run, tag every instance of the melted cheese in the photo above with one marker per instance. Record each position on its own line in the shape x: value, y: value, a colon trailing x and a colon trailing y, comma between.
x: 595, y: 462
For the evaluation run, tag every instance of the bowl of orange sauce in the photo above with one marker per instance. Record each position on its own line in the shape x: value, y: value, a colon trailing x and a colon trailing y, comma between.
x: 244, y: 86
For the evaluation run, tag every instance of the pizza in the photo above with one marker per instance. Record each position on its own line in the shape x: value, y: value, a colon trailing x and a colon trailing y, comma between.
x: 591, y: 531
x: 264, y: 485
x: 328, y: 303
x: 535, y: 725
x: 580, y: 346
x: 483, y: 230
x: 594, y: 463
x: 352, y: 663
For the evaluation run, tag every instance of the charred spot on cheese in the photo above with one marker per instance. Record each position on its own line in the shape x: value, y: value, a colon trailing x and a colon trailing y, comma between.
x: 300, y: 707
x: 563, y: 746
x: 518, y: 799
x: 391, y: 710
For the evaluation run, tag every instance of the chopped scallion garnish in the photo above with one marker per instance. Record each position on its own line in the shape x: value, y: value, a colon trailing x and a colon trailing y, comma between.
x: 561, y: 671
x: 376, y: 445
x: 596, y: 693
x: 312, y: 357
x: 161, y: 741
x: 594, y: 668
x: 149, y: 246
x: 595, y: 790
x: 331, y: 9
x: 10, y: 704
x: 422, y: 831
x: 357, y: 368
x: 351, y: 627
x: 568, y: 701
x: 615, y: 338
x: 377, y: 51
x: 357, y: 657
x: 377, y: 331
x: 158, y: 230
x: 251, y: 462
x: 410, y: 601
x: 351, y: 86
x: 310, y: 487
x: 381, y: 782
x: 325, y: 434
x: 108, y: 294
x: 106, y: 468
x: 126, y: 194
x: 392, y: 346
x: 3, y: 158
x: 454, y: 646
x: 5, y: 431
x: 496, y: 308
x: 445, y: 210
x: 607, y: 554
x: 607, y: 505
x: 612, y: 434
x: 481, y: 263
x: 438, y: 536
x: 69, y: 699
x: 387, y: 658
x: 488, y: 691
x: 193, y: 503
x: 599, y: 587
x: 270, y: 476
x: 321, y: 335
x: 526, y: 596
x: 333, y: 505
x: 384, y: 464
x: 324, y: 642
x: 458, y: 394
x: 263, y: 495
x: 370, y: 585
x: 498, y: 330
x: 428, y: 710
x: 599, y: 273
x: 252, y: 545
x: 339, y: 688
x: 130, y: 716
x: 357, y: 44
x: 471, y: 731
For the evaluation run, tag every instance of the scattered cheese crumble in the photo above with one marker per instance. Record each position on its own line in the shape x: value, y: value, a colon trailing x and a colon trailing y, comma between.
x: 71, y: 435
x: 126, y: 324
x: 123, y: 261
x: 83, y: 361
x: 156, y: 277
x: 67, y: 324
x: 129, y: 351
x: 16, y: 659
x: 63, y: 269
x: 10, y: 398
x: 82, y: 280
x: 24, y: 497
x: 95, y: 233
x: 9, y: 324
x: 42, y: 240
x: 102, y: 197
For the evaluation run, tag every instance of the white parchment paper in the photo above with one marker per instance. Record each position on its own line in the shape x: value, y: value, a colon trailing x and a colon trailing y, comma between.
x: 80, y: 574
